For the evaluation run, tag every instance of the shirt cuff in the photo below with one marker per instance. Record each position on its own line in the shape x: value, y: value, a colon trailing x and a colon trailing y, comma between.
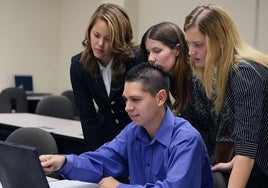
x: 67, y: 165
x: 248, y: 149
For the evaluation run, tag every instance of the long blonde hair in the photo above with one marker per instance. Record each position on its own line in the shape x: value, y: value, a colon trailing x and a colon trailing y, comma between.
x: 225, y: 48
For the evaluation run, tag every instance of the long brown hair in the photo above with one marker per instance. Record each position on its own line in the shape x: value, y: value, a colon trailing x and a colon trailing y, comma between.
x: 171, y: 35
x: 120, y: 34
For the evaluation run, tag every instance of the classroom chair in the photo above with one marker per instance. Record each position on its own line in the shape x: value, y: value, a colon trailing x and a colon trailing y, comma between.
x: 219, y: 180
x: 35, y: 137
x: 13, y: 100
x: 56, y: 106
x: 70, y: 94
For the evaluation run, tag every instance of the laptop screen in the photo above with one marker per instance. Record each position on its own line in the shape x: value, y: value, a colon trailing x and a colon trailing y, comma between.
x: 20, y: 167
x: 24, y: 82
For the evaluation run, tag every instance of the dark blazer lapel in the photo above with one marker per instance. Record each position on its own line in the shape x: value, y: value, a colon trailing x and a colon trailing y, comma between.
x: 98, y: 87
x: 112, y: 91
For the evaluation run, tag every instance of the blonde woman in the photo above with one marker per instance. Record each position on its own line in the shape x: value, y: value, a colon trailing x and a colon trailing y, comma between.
x: 239, y: 76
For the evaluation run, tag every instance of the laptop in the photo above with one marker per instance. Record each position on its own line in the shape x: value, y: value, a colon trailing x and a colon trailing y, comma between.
x: 20, y: 167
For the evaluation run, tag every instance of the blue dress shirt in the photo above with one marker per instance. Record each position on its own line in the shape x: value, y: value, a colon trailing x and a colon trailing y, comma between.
x: 176, y: 157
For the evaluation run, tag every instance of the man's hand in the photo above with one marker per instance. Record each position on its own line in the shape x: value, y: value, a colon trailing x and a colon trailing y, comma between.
x: 108, y: 182
x: 51, y: 163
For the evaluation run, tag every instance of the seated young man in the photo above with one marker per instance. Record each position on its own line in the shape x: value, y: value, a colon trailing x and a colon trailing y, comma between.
x: 157, y: 149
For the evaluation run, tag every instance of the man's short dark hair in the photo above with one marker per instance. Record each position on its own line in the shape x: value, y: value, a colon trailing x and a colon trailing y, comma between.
x: 153, y: 77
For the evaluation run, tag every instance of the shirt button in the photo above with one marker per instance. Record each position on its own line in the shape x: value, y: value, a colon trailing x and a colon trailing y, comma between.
x: 113, y: 102
x: 112, y: 111
x: 148, y: 164
x: 116, y: 121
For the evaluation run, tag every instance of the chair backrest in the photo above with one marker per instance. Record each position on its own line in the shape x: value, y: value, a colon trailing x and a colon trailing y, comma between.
x: 36, y: 137
x: 13, y: 100
x: 219, y: 180
x: 55, y: 106
x: 70, y: 94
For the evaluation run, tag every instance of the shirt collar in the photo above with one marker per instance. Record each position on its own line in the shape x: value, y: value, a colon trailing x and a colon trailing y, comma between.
x: 164, y: 132
x: 108, y: 66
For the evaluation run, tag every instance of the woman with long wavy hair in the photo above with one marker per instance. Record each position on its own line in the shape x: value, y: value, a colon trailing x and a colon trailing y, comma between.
x: 238, y: 74
x: 97, y: 74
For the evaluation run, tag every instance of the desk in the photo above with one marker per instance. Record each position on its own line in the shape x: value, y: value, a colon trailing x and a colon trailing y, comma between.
x: 67, y: 133
x: 54, y: 183
x: 71, y: 184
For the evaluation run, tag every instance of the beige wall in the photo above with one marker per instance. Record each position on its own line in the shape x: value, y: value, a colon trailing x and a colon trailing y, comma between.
x: 39, y: 37
x: 29, y: 42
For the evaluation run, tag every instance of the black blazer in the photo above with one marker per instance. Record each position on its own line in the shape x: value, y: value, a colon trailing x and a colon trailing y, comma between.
x: 103, y: 125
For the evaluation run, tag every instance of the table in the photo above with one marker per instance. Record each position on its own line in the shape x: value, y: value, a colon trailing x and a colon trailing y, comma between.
x: 71, y: 184
x: 67, y: 133
x: 54, y: 183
